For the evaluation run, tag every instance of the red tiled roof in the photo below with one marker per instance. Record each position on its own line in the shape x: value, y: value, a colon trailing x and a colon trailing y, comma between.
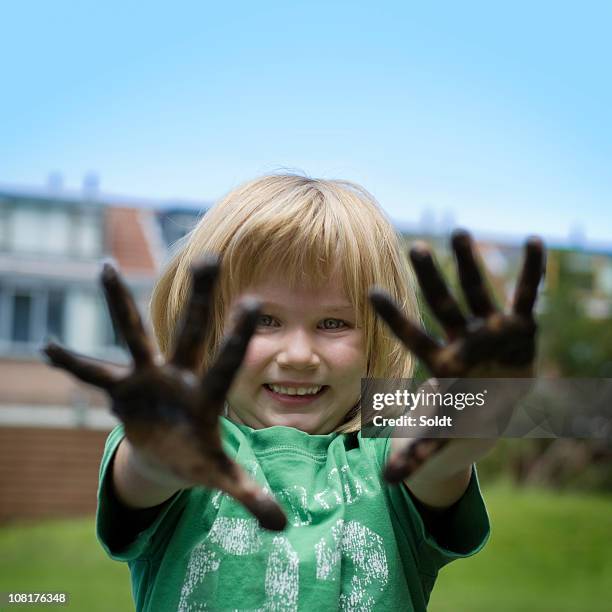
x: 128, y: 242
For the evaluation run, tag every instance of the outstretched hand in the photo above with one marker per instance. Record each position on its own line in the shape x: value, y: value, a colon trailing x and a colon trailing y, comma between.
x: 488, y: 344
x: 170, y: 414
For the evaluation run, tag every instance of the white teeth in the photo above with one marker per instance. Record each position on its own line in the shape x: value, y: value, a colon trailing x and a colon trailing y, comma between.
x: 295, y: 390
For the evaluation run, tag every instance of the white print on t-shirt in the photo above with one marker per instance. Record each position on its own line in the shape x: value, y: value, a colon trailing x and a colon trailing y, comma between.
x: 365, y: 548
x: 239, y: 537
x: 345, y: 490
x: 350, y: 541
x: 341, y: 490
x: 295, y: 502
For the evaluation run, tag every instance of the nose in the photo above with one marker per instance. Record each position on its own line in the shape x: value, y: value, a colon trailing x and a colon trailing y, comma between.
x: 298, y: 351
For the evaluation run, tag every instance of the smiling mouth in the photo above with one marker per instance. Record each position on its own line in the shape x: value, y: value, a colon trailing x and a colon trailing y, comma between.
x: 293, y: 397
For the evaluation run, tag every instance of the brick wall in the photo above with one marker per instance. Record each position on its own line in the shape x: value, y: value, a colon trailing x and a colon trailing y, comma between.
x: 34, y: 382
x: 48, y: 472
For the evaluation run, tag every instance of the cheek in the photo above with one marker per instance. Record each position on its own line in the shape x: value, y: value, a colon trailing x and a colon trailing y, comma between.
x: 250, y: 370
x: 349, y: 357
x: 258, y: 353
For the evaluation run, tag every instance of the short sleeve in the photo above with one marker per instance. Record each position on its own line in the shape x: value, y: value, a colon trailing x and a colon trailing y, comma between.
x: 117, y: 526
x: 468, y: 526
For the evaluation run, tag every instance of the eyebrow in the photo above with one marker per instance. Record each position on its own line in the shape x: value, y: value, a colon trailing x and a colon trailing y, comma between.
x: 326, y: 307
x: 331, y: 308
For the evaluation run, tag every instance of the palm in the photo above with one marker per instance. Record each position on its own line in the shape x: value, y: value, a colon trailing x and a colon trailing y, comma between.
x: 488, y: 343
x: 170, y: 413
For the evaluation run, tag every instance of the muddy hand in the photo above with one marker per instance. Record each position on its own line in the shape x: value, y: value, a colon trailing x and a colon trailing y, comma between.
x: 170, y: 413
x: 486, y: 344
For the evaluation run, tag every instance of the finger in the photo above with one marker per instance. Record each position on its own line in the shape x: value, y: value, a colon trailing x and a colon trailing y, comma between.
x: 411, y: 335
x: 232, y: 479
x: 126, y: 316
x: 472, y: 283
x: 442, y: 303
x: 190, y: 346
x: 88, y: 370
x: 218, y: 379
x: 533, y: 269
x: 407, y: 461
x: 260, y: 504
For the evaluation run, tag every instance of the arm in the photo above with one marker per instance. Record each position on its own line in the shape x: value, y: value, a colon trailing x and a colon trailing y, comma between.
x: 121, y: 520
x: 138, y: 484
x: 439, y: 486
x: 489, y: 344
x: 170, y: 413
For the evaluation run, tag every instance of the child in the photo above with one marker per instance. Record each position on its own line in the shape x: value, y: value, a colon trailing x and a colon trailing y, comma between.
x: 335, y: 535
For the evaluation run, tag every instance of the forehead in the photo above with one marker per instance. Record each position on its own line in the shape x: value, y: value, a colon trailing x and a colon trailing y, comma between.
x: 327, y: 294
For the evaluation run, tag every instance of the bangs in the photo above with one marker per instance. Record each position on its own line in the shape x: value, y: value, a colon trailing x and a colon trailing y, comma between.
x: 305, y: 240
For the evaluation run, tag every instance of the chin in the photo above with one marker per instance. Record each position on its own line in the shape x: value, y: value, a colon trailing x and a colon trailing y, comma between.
x: 298, y: 421
x: 303, y: 422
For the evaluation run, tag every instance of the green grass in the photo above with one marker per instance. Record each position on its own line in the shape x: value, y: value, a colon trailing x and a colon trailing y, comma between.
x: 63, y: 556
x: 547, y: 552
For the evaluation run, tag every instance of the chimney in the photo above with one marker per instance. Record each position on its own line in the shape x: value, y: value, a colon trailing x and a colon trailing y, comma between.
x: 91, y: 186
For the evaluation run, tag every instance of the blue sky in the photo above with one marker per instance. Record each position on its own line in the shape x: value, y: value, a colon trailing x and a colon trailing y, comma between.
x: 492, y: 116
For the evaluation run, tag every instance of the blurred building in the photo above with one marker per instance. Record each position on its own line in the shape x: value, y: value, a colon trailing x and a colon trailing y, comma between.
x: 52, y: 243
x: 587, y: 272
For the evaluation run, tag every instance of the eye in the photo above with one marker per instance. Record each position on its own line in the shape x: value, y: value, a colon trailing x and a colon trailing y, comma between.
x: 265, y: 321
x: 333, y: 324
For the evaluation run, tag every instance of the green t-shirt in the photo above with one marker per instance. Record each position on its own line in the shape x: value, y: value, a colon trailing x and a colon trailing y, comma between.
x: 353, y: 542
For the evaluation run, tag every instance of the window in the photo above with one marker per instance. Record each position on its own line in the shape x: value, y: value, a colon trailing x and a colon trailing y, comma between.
x: 75, y: 316
x: 29, y: 314
x: 88, y: 235
x: 21, y: 328
x: 56, y: 305
x: 48, y: 229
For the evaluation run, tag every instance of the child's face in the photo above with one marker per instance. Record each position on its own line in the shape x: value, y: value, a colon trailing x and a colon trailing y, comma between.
x: 305, y: 340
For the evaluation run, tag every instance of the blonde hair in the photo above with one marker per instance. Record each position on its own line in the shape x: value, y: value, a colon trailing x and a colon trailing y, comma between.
x: 307, y: 229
